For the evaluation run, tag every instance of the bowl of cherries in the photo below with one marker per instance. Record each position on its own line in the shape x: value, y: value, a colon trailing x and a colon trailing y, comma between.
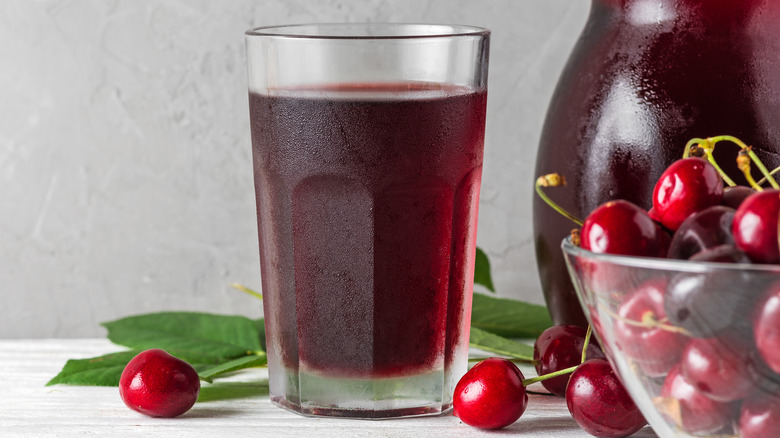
x: 684, y: 299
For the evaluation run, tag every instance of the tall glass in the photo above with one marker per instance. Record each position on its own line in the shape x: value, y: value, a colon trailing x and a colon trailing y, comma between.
x: 367, y: 145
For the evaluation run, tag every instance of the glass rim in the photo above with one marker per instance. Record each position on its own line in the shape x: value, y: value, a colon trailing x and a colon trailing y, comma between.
x: 663, y: 264
x: 287, y: 31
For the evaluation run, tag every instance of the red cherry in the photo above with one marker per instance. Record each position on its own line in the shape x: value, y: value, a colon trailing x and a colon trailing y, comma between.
x: 490, y: 395
x: 599, y: 403
x: 755, y: 226
x: 157, y: 384
x: 718, y: 367
x: 708, y: 303
x: 734, y: 195
x: 639, y: 333
x: 760, y: 417
x: 620, y: 227
x: 653, y: 215
x: 766, y: 327
x: 689, y: 408
x: 704, y: 229
x: 727, y: 253
x: 560, y: 347
x: 664, y: 240
x: 686, y: 186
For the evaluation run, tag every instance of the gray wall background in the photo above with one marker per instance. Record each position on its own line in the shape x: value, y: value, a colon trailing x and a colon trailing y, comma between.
x: 125, y: 159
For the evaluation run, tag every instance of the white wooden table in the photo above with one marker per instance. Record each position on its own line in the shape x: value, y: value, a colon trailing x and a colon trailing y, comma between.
x: 30, y: 409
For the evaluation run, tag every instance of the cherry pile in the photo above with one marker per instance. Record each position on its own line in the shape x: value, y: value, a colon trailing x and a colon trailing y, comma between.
x: 493, y: 393
x: 705, y: 341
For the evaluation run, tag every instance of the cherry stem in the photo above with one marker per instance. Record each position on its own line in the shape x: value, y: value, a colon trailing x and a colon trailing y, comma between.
x: 709, y: 143
x: 585, y: 344
x: 554, y: 180
x: 707, y: 146
x: 575, y: 237
x: 545, y: 393
x: 247, y: 290
x: 774, y: 171
x: 722, y: 173
x: 648, y: 321
x: 562, y: 372
x: 758, y: 163
x: 743, y: 164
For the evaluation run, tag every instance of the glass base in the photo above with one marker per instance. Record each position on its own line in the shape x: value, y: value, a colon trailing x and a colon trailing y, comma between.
x: 372, y: 398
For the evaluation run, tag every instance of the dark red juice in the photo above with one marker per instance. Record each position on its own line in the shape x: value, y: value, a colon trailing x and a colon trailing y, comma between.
x: 367, y: 209
x: 644, y: 78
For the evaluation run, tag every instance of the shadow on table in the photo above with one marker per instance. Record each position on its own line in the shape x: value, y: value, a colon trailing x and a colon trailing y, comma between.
x: 555, y: 426
x: 542, y: 426
x: 205, y: 412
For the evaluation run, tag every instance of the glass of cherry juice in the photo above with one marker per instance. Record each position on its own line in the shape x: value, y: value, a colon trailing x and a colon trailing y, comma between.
x: 367, y: 143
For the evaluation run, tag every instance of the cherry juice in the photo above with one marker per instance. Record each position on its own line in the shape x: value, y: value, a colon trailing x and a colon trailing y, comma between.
x: 367, y: 209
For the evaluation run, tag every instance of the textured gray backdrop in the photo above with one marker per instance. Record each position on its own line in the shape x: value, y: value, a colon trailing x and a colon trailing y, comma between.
x: 125, y: 169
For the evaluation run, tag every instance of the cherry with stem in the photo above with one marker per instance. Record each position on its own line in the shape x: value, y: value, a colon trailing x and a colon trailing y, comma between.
x: 708, y: 145
x: 492, y: 394
x: 554, y: 180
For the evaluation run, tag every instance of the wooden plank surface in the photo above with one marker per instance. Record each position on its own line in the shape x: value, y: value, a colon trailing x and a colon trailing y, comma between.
x: 30, y: 409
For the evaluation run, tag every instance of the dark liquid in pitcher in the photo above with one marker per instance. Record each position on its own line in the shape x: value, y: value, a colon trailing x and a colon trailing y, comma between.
x: 644, y: 78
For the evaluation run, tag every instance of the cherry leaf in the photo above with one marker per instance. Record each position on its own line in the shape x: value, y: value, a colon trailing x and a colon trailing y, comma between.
x: 497, y: 344
x: 482, y: 271
x: 209, y: 338
x: 509, y: 318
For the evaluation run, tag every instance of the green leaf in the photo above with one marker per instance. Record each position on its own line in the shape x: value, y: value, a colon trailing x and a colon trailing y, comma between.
x: 206, y: 337
x: 509, y: 318
x: 255, y: 360
x: 97, y: 371
x: 482, y: 271
x: 103, y: 370
x: 260, y: 326
x: 500, y: 345
x: 232, y: 390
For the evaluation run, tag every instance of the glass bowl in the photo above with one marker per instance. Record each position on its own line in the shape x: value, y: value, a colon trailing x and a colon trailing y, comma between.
x: 697, y: 344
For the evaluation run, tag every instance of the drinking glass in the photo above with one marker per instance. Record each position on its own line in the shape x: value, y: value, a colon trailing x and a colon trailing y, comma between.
x: 367, y: 143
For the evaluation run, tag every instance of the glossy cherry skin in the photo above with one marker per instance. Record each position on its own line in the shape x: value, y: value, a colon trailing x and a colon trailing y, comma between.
x: 734, y: 195
x: 718, y: 367
x: 490, y: 395
x: 653, y: 346
x: 726, y: 253
x: 157, y: 384
x: 760, y: 417
x: 688, y: 185
x: 704, y: 229
x: 653, y: 215
x: 706, y: 304
x: 560, y: 347
x: 766, y: 380
x: 755, y: 226
x: 599, y: 403
x: 620, y: 227
x: 766, y: 327
x: 689, y: 408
